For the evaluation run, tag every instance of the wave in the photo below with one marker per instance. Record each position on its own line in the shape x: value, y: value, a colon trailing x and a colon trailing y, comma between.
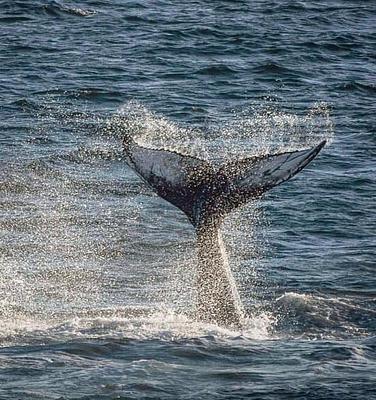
x: 352, y: 86
x: 137, y: 323
x: 312, y: 316
x: 296, y: 316
x: 276, y: 69
x: 55, y: 8
x: 139, y: 19
x: 220, y: 69
x: 11, y: 19
x: 26, y: 105
x: 18, y: 11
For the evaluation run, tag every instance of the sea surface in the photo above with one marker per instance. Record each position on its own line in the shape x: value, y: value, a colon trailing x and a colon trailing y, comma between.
x: 97, y: 274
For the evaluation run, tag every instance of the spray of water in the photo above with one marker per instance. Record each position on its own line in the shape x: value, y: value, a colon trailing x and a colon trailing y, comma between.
x: 72, y: 252
x: 257, y: 130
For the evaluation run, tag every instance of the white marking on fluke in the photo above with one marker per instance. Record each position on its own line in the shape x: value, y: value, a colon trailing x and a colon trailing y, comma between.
x: 206, y: 195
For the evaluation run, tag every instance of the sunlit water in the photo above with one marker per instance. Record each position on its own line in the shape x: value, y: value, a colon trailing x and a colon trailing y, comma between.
x: 97, y: 273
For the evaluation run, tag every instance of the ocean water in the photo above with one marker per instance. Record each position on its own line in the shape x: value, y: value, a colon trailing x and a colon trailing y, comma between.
x: 97, y: 273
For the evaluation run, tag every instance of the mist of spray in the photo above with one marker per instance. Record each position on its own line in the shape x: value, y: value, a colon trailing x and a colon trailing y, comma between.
x: 74, y: 226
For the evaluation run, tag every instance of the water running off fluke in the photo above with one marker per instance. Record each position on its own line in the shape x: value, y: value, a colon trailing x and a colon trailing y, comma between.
x: 206, y: 193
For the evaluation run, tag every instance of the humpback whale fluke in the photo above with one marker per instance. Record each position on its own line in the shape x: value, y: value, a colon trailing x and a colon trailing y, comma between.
x: 206, y: 194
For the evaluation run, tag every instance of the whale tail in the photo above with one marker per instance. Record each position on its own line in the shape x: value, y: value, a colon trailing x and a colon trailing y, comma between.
x: 207, y: 194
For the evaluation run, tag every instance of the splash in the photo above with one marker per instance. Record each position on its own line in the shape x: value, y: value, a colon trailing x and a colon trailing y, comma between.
x: 152, y: 130
x: 266, y: 129
x: 256, y: 130
x: 129, y: 323
x: 82, y: 220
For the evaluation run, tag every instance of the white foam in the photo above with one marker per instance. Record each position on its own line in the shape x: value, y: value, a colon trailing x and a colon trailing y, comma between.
x: 161, y: 325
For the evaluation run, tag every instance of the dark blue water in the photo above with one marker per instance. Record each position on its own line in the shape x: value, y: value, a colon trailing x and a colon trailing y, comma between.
x: 97, y: 273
